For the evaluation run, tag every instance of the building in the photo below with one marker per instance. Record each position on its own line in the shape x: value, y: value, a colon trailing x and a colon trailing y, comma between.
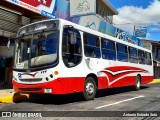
x: 154, y: 46
x: 14, y: 14
x: 17, y: 13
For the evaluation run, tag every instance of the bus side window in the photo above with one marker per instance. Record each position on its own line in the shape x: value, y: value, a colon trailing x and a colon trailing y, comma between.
x: 71, y: 50
x: 148, y: 59
x: 141, y: 57
x: 122, y: 53
x: 133, y: 55
x: 91, y: 45
x: 108, y: 49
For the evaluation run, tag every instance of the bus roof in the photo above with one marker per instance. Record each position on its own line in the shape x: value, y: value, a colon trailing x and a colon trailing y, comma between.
x: 91, y: 31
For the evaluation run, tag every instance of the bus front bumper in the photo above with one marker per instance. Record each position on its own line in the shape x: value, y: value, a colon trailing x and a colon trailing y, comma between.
x: 58, y: 86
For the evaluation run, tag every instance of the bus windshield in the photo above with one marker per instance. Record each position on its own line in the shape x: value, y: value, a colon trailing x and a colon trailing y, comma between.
x: 36, y: 50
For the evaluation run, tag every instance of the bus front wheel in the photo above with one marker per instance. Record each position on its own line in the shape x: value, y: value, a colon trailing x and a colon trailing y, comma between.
x: 138, y: 83
x: 90, y: 89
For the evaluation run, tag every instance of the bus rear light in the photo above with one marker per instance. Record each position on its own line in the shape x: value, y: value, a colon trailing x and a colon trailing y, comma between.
x: 47, y: 90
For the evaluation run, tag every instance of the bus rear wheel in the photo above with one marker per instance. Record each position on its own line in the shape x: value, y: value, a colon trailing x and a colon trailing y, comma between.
x: 138, y: 83
x: 90, y: 89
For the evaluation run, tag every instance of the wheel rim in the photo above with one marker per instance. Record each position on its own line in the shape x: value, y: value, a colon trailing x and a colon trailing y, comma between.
x: 89, y: 88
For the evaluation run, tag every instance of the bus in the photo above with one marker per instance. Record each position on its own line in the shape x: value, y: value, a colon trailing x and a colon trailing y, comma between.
x: 60, y: 57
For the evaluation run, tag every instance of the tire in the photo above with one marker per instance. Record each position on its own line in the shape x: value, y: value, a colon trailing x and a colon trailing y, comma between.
x: 138, y: 83
x: 90, y: 89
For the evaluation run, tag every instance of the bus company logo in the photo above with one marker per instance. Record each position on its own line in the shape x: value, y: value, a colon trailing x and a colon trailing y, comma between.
x: 36, y: 3
x: 19, y: 75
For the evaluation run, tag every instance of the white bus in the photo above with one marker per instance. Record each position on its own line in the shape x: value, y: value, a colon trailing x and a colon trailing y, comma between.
x: 60, y: 57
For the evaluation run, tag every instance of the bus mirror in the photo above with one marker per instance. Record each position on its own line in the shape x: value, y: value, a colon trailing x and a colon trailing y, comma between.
x: 8, y: 44
x: 73, y: 37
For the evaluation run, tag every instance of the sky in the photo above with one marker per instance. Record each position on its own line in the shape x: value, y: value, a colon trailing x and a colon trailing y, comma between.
x: 138, y: 14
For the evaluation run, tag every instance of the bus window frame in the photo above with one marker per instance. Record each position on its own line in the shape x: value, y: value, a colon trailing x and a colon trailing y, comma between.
x: 104, y: 48
x: 92, y: 46
x: 125, y: 53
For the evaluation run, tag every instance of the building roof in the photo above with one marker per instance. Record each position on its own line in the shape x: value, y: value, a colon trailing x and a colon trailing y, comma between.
x: 152, y: 41
x: 110, y: 6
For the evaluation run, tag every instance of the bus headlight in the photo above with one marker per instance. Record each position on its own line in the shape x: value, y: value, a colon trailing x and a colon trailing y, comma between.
x: 50, y: 77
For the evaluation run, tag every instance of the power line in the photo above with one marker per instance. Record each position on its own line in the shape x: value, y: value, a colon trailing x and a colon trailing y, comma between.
x: 154, y: 33
x: 138, y: 23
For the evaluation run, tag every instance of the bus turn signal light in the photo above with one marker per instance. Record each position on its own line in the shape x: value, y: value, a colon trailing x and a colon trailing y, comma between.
x: 56, y: 72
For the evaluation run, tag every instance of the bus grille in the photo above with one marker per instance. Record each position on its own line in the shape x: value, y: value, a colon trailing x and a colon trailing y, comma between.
x: 30, y: 89
x: 31, y: 80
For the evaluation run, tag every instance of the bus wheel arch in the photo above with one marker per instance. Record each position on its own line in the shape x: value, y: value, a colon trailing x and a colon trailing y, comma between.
x: 90, y: 87
x: 138, y: 82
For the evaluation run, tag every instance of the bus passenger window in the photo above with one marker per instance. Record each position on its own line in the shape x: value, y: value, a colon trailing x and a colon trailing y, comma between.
x: 122, y: 53
x: 91, y: 45
x: 108, y: 49
x: 148, y: 59
x: 141, y: 57
x: 133, y: 55
x: 71, y: 50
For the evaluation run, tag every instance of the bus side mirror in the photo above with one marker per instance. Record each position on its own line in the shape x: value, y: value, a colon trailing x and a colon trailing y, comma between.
x: 8, y: 44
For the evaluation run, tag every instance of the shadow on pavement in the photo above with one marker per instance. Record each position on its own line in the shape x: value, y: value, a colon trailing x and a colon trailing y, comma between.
x: 70, y: 98
x: 113, y: 91
x: 55, y: 99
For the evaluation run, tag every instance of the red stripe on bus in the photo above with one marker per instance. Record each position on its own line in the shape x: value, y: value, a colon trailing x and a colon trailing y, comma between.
x: 122, y: 68
x: 73, y: 85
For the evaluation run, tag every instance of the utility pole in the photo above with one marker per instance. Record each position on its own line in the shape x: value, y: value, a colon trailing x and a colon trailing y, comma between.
x: 134, y: 30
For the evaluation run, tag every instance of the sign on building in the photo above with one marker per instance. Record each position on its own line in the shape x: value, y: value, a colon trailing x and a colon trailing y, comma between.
x: 141, y: 32
x: 82, y: 7
x: 44, y: 7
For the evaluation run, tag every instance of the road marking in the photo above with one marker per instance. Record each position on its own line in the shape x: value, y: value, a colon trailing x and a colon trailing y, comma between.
x: 119, y: 102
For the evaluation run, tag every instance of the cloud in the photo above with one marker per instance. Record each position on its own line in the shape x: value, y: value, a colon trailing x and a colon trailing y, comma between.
x: 155, y: 29
x: 138, y: 16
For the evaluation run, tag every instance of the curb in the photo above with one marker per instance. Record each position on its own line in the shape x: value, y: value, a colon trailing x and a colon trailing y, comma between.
x: 15, y: 98
x: 155, y: 81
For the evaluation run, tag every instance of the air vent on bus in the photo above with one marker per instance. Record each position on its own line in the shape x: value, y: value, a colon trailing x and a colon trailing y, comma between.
x: 30, y: 89
x: 31, y: 80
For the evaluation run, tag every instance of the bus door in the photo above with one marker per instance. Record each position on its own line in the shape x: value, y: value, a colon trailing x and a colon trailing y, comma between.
x: 72, y: 57
x: 71, y: 47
